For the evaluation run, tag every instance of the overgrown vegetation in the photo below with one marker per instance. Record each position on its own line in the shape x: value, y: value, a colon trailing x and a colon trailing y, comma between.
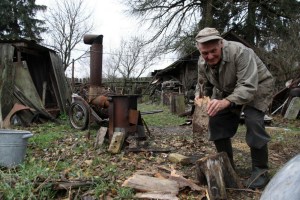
x: 58, y: 154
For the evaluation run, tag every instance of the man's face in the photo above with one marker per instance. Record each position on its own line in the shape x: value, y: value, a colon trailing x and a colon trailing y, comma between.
x: 211, y: 51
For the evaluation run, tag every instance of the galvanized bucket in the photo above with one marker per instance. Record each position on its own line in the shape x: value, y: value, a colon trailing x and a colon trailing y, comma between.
x: 285, y: 184
x: 13, y: 144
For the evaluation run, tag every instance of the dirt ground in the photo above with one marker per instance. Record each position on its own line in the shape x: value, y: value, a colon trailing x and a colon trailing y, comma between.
x: 283, y: 146
x: 113, y: 170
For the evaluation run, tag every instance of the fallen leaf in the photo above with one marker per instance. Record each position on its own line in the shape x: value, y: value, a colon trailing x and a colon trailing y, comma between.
x: 88, y: 162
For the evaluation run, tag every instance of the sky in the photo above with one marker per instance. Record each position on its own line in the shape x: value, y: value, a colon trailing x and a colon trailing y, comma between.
x: 110, y: 21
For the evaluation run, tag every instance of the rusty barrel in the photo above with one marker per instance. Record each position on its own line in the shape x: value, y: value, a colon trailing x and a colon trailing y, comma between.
x: 119, y: 106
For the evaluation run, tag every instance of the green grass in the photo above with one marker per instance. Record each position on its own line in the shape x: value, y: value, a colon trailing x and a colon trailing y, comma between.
x: 162, y: 119
x: 57, y: 149
x: 21, y: 182
x: 125, y: 193
x: 283, y: 144
x: 46, y: 133
x: 284, y: 136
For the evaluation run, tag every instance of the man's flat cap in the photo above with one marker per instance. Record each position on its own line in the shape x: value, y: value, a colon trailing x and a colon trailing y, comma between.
x: 208, y: 34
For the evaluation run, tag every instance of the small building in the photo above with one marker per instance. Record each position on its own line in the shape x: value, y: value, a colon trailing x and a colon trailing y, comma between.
x: 33, y: 84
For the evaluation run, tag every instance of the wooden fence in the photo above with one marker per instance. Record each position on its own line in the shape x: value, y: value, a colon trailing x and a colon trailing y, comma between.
x: 120, y: 85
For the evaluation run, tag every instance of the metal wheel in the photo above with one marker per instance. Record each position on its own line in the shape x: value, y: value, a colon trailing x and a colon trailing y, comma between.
x: 79, y: 115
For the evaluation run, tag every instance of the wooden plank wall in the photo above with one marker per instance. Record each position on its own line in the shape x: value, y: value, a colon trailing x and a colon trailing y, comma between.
x: 7, y: 79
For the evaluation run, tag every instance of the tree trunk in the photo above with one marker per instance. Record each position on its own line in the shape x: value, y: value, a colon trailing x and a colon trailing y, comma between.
x: 250, y: 29
x: 208, y: 13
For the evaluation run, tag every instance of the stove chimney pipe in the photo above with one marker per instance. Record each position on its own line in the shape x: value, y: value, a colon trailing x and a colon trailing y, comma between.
x: 96, y: 52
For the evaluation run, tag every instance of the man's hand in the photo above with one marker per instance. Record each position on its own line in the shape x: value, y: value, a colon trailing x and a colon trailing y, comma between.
x: 214, y: 106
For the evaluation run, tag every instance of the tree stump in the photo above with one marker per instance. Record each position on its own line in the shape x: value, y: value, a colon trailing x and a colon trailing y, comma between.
x: 217, y: 172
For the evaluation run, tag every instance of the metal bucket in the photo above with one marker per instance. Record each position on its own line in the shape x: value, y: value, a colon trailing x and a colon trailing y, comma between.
x: 285, y: 184
x: 13, y: 144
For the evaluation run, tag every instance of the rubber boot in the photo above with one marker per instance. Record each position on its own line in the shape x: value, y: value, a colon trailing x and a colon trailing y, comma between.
x: 259, y: 175
x: 224, y: 145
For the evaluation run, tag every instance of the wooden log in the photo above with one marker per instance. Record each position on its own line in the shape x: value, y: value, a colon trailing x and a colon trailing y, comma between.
x: 100, y: 137
x: 138, y: 150
x: 152, y: 184
x: 217, y: 172
x: 156, y: 195
x: 161, y: 186
x: 165, y: 169
x: 179, y: 103
x: 178, y: 158
x: 66, y: 185
x: 200, y: 117
x: 200, y: 120
x: 117, y: 141
x: 183, y: 182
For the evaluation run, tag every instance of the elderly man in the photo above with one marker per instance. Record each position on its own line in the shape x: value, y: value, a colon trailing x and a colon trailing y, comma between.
x: 236, y: 80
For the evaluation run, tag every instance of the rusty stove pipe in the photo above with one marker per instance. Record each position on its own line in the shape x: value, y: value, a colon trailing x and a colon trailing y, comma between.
x: 96, y: 52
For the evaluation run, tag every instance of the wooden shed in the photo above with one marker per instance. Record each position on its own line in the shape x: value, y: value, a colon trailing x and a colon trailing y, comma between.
x: 33, y: 84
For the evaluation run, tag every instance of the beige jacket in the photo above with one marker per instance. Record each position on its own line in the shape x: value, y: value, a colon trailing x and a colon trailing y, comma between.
x: 242, y: 77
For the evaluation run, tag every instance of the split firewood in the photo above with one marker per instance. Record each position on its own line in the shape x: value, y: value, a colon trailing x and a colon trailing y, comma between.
x: 162, y: 186
x: 170, y: 170
x: 217, y: 172
x: 152, y: 184
x: 183, y: 182
x: 178, y: 158
x: 155, y: 150
x: 202, y: 102
x: 116, y: 142
x: 100, y: 137
x: 146, y: 173
x: 200, y: 117
x: 156, y: 195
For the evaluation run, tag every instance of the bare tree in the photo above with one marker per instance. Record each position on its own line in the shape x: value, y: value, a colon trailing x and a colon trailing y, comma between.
x: 132, y: 59
x: 68, y: 22
x: 110, y: 67
x: 175, y: 23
